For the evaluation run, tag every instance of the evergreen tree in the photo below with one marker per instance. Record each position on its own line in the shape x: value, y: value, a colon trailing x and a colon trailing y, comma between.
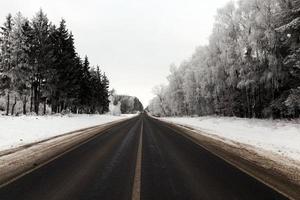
x: 6, y: 60
x: 38, y: 61
x: 289, y: 48
x: 85, y: 87
x: 42, y: 60
x: 65, y: 84
x: 105, y: 93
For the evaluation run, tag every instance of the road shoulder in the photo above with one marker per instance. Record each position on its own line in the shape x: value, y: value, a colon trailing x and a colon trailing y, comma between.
x: 267, y: 169
x: 18, y: 162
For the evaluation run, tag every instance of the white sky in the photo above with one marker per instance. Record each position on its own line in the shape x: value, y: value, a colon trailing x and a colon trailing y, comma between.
x: 133, y: 41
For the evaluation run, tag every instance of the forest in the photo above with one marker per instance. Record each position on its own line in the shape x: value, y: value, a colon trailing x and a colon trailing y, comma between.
x: 128, y: 104
x: 249, y: 68
x: 41, y: 72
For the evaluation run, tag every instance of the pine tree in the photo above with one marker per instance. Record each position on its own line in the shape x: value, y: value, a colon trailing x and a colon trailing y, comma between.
x: 38, y: 60
x: 6, y: 60
x: 105, y: 93
x: 85, y: 87
x: 288, y: 28
x: 65, y: 83
x: 42, y: 59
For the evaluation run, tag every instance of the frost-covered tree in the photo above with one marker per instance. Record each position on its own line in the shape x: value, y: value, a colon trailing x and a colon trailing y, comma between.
x: 22, y: 70
x: 163, y: 104
x: 250, y: 68
x: 288, y: 28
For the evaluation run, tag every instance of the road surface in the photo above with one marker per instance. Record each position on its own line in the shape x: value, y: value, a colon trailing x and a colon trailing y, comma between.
x: 141, y: 158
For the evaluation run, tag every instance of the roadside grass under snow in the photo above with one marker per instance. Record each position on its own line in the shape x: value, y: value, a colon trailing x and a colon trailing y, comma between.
x: 278, y: 136
x: 18, y: 131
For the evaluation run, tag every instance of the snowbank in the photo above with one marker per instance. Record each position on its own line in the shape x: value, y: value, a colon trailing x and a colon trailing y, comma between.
x: 17, y: 131
x: 279, y: 136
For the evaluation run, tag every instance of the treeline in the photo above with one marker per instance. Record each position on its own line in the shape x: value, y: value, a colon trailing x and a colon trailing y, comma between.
x: 129, y: 104
x: 250, y: 68
x: 41, y: 72
x: 124, y: 104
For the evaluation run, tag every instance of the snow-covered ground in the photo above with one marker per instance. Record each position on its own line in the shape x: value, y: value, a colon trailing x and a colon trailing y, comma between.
x: 17, y: 131
x: 279, y: 136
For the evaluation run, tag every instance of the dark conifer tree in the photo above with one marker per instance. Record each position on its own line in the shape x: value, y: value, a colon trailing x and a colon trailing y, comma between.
x: 38, y: 61
x: 43, y: 59
x: 105, y: 93
x: 85, y: 87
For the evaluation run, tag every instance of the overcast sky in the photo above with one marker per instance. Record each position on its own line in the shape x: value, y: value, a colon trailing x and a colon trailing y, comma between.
x: 134, y: 41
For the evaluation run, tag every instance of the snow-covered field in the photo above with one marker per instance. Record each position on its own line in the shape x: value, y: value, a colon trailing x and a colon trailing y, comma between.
x: 17, y: 131
x: 278, y: 136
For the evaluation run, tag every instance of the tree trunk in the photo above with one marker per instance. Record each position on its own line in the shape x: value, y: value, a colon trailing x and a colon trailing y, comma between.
x: 36, y: 99
x: 7, y: 104
x: 13, y: 106
x: 24, y: 105
x: 61, y: 106
x: 248, y: 104
x: 52, y: 106
x: 44, y: 111
x: 31, y: 98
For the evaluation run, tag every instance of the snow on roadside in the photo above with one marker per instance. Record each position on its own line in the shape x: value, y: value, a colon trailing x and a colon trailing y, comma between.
x: 278, y: 136
x: 18, y: 131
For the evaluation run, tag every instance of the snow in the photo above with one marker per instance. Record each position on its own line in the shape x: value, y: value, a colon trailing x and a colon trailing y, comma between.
x: 18, y: 131
x: 115, y: 109
x: 278, y: 136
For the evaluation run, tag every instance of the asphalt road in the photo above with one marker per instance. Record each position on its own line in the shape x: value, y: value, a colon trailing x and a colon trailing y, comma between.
x: 172, y: 167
